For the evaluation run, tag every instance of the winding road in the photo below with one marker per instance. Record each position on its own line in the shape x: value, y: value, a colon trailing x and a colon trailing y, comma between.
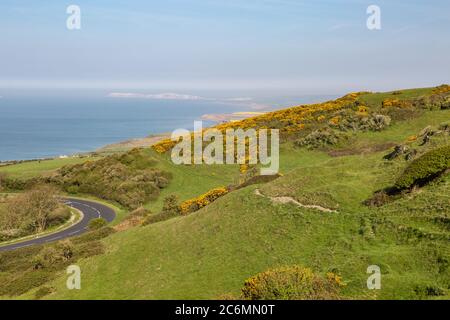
x: 91, y: 210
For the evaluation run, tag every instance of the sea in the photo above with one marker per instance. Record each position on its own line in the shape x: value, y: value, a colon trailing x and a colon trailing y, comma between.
x: 36, y: 126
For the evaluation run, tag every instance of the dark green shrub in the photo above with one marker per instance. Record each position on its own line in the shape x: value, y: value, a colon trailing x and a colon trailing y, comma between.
x: 425, y: 168
x: 42, y: 292
x: 424, y: 291
x: 291, y: 283
x: 54, y: 255
x: 171, y: 208
x: 97, y: 223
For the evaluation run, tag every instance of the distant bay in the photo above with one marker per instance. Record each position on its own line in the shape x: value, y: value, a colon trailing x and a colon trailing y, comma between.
x: 33, y: 127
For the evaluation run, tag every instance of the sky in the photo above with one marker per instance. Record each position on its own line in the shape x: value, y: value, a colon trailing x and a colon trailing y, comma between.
x: 310, y: 47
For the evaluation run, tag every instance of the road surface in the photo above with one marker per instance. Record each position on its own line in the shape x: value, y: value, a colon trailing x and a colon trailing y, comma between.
x: 91, y: 210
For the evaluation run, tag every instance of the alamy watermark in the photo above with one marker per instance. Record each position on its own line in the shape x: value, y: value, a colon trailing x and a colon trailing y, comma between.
x: 374, y: 280
x: 374, y: 20
x: 73, y: 22
x: 239, y: 146
x: 74, y: 278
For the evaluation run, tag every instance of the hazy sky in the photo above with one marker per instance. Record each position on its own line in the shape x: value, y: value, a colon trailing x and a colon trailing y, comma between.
x: 320, y: 46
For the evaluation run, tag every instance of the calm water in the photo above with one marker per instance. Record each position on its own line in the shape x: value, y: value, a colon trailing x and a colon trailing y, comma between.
x: 47, y: 127
x: 40, y: 126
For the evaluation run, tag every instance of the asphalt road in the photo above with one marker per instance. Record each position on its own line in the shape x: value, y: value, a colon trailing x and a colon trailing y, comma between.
x: 91, y: 210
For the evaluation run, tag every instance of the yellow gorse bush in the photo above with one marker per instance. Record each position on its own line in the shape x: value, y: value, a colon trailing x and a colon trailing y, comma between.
x: 288, y: 121
x: 442, y: 89
x: 195, y: 204
x: 396, y: 103
x: 292, y: 283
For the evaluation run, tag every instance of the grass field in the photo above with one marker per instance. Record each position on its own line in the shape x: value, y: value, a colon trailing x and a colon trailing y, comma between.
x: 35, y: 168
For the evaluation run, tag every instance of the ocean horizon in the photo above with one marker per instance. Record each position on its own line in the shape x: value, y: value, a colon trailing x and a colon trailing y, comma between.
x: 36, y: 127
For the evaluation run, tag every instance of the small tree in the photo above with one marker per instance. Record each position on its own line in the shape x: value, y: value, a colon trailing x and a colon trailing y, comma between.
x: 32, y: 208
x: 42, y: 202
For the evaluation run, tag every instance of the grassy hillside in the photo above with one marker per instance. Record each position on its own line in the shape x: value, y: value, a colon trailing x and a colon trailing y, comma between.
x: 31, y: 169
x: 314, y: 215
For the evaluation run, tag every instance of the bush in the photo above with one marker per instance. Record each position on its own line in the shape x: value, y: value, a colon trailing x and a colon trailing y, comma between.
x: 171, y: 208
x: 369, y: 122
x: 195, y: 204
x: 42, y: 292
x: 379, y: 199
x: 321, y: 138
x: 52, y: 256
x: 291, y: 283
x: 59, y: 216
x: 425, y: 168
x: 130, y: 179
x: 429, y: 291
x: 97, y: 223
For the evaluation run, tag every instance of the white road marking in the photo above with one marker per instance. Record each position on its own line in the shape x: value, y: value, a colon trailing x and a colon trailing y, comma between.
x: 86, y: 205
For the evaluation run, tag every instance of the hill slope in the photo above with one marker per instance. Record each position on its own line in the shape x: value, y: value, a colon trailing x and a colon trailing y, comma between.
x: 211, y: 252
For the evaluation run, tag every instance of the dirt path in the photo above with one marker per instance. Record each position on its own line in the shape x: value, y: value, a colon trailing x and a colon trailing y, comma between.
x: 285, y: 200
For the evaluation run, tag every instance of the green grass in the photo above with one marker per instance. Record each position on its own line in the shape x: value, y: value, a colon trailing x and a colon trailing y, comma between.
x: 375, y: 99
x: 190, y: 181
x: 36, y: 168
x: 212, y: 252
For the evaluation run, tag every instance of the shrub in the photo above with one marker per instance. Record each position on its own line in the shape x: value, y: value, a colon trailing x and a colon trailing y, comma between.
x: 195, y: 204
x: 291, y: 283
x: 321, y: 138
x: 42, y: 292
x: 130, y: 179
x: 365, y: 122
x: 429, y: 291
x: 171, y: 208
x: 59, y: 216
x: 97, y: 223
x: 171, y: 204
x: 425, y: 168
x: 396, y: 103
x: 438, y: 100
x: 379, y: 199
x: 51, y: 256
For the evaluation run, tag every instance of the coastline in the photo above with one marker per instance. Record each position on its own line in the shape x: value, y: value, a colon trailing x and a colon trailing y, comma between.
x: 143, y: 142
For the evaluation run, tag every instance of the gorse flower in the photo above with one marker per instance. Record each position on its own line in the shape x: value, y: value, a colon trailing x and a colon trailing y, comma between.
x: 203, y: 200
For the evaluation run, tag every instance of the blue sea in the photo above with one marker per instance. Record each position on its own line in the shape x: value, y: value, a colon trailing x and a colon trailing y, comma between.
x: 41, y: 126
